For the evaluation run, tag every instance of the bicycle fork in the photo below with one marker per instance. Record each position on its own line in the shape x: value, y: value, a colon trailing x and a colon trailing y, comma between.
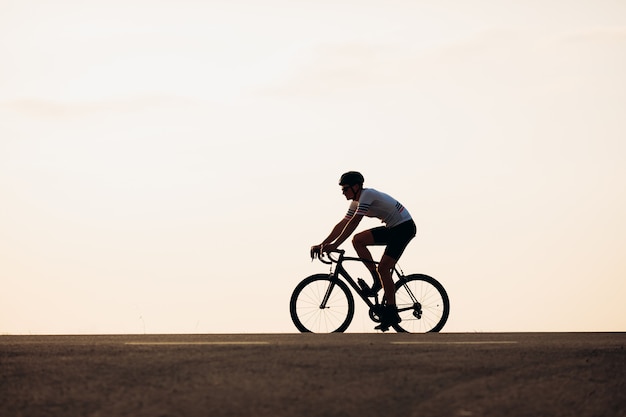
x: 329, y: 290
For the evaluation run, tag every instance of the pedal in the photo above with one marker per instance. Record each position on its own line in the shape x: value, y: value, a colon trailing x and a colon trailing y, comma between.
x: 382, y: 327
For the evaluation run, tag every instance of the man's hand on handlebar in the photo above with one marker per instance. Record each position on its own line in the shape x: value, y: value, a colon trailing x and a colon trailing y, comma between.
x: 317, y: 251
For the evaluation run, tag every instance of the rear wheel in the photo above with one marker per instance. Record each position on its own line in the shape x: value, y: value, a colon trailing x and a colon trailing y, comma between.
x: 321, y: 304
x: 423, y: 304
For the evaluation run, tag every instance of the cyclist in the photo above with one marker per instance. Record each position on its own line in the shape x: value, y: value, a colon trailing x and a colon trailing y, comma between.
x: 398, y: 231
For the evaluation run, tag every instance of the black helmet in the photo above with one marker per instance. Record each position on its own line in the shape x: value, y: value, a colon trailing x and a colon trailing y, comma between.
x: 351, y: 178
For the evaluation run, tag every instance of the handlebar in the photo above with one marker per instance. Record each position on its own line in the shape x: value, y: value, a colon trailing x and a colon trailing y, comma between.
x: 331, y: 260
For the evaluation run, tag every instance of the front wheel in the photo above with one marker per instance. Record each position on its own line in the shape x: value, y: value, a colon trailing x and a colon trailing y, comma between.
x: 321, y: 304
x: 423, y: 304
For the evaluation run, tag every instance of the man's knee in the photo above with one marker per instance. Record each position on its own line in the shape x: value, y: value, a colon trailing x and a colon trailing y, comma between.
x: 362, y: 239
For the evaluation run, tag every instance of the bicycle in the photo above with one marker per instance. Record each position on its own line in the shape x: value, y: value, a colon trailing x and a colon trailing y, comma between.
x: 323, y: 303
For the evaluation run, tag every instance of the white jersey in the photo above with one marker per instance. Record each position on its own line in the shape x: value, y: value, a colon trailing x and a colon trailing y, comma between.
x: 373, y: 203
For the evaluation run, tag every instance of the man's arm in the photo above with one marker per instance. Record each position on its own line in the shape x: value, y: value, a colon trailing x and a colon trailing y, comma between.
x: 316, y: 250
x: 339, y: 227
x: 348, y: 229
x: 337, y: 236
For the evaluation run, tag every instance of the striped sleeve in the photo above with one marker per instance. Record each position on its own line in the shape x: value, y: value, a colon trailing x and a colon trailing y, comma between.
x: 363, y: 209
x: 351, y: 210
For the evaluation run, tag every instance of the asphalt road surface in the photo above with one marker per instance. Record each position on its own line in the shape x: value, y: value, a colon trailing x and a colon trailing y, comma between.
x: 478, y: 374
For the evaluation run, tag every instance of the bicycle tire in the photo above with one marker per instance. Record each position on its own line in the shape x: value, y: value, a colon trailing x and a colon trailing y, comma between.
x: 306, y: 300
x: 432, y: 298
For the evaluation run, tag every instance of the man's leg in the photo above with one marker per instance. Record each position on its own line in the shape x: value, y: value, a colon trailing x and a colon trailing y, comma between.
x: 389, y: 315
x: 398, y: 239
x: 387, y: 263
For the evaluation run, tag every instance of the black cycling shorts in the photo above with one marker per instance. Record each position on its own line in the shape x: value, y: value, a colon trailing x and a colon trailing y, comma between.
x: 396, y: 238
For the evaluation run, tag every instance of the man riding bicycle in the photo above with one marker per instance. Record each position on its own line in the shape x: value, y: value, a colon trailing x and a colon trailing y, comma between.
x: 398, y: 231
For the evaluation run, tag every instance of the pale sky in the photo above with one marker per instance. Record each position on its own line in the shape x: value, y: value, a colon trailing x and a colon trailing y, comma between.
x: 166, y: 165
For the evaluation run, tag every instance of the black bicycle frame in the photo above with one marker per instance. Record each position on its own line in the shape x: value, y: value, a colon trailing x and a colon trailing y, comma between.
x: 340, y: 270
